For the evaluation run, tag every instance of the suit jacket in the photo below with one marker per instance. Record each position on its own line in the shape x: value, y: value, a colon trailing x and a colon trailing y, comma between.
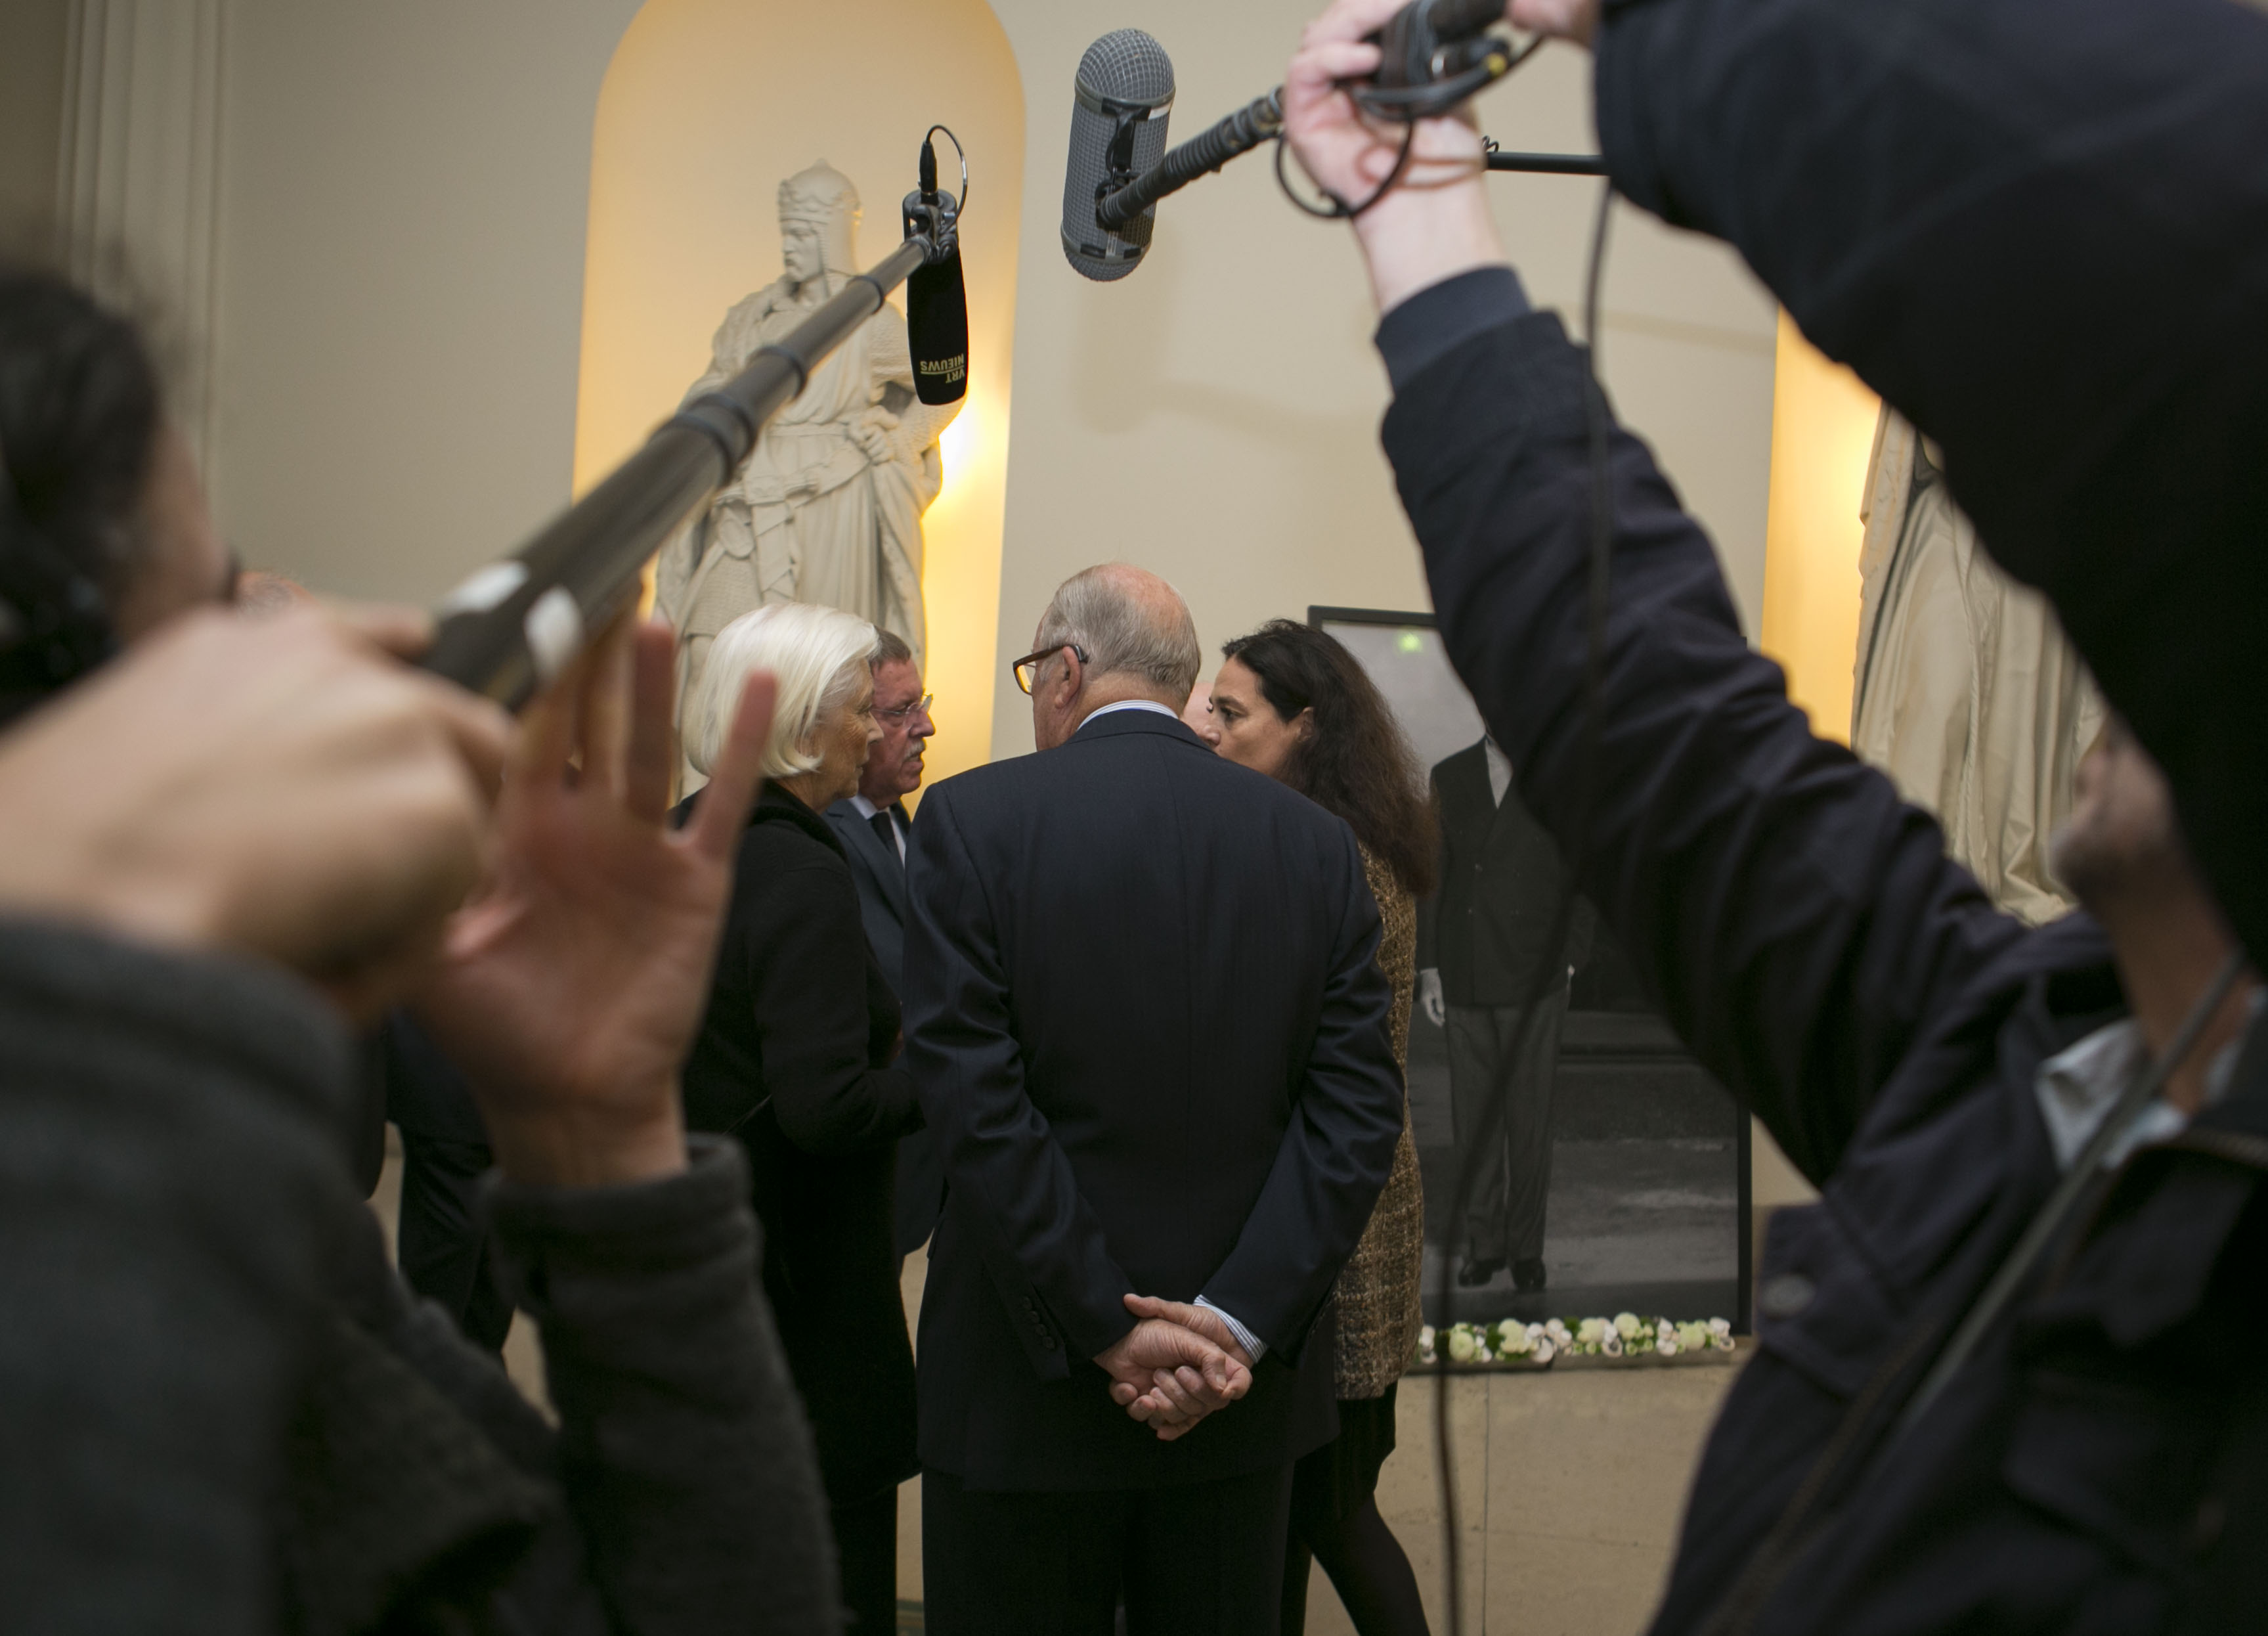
x: 1501, y: 880
x: 881, y: 880
x: 794, y: 1059
x: 1147, y: 1024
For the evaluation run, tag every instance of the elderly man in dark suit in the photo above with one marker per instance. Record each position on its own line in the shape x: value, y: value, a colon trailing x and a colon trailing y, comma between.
x: 872, y: 826
x: 1147, y: 1026
x: 1483, y: 966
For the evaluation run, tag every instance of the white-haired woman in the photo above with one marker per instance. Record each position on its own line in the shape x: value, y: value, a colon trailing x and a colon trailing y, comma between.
x: 794, y: 1059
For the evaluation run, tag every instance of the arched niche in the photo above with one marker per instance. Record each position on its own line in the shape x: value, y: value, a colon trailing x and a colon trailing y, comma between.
x: 705, y: 107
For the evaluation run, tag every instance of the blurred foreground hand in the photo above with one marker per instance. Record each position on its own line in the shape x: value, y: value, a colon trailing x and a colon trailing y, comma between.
x: 570, y: 989
x: 287, y: 790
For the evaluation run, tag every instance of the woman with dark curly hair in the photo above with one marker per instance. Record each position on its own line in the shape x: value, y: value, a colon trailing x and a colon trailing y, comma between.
x: 1292, y: 703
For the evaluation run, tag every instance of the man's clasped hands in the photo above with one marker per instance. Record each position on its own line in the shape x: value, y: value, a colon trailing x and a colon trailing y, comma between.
x: 1178, y: 1364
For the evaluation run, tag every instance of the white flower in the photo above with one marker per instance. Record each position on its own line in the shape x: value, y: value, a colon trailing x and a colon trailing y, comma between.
x: 1625, y: 1324
x: 1722, y: 1343
x: 1513, y: 1341
x: 1591, y: 1331
x: 1546, y: 1349
x: 1461, y: 1344
x: 1720, y: 1329
x: 1692, y: 1337
x: 1666, y: 1342
x: 1557, y: 1331
x: 1612, y: 1346
x: 1425, y: 1343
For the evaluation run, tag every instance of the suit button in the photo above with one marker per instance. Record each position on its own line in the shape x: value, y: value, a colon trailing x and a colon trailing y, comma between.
x: 1048, y: 1341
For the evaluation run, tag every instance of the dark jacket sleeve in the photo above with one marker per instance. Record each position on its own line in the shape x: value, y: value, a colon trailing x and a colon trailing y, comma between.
x: 805, y: 951
x: 1338, y: 1148
x: 1000, y: 1155
x: 681, y: 1445
x: 1797, y: 921
x: 168, y: 1128
x: 2040, y: 229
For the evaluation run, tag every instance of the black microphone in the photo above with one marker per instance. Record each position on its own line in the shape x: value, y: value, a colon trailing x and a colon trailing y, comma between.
x: 937, y: 303
x: 1125, y: 92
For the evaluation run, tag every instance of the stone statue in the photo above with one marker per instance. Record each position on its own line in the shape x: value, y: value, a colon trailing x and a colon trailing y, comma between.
x: 827, y: 507
x: 1966, y: 690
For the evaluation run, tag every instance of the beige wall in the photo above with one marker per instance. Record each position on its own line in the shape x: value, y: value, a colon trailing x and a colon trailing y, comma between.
x: 32, y: 46
x: 402, y: 197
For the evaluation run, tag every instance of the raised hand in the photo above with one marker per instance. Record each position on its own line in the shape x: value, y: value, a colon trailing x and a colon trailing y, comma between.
x: 1436, y: 221
x: 573, y: 984
x: 1204, y: 1376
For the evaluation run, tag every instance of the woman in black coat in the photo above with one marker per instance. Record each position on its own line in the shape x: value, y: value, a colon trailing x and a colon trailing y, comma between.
x: 794, y: 1059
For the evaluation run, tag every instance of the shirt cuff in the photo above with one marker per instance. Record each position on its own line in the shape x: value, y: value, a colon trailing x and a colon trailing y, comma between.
x: 1442, y: 317
x: 1254, y: 1347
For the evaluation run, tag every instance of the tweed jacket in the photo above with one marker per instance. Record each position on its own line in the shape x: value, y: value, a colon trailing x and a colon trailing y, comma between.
x: 1377, y: 1294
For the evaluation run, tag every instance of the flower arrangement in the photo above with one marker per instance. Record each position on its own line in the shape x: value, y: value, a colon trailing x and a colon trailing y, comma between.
x: 1509, y: 1343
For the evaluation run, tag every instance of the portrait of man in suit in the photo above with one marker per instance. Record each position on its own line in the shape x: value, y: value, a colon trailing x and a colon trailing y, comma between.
x: 873, y: 825
x: 1483, y: 964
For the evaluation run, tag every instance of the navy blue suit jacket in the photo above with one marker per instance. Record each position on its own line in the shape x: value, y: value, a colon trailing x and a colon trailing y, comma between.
x: 882, y: 880
x: 1145, y: 1019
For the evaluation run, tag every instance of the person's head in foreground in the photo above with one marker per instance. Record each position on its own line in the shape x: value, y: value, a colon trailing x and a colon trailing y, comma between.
x: 1292, y: 702
x: 893, y: 767
x: 102, y: 519
x: 1113, y: 633
x: 823, y: 724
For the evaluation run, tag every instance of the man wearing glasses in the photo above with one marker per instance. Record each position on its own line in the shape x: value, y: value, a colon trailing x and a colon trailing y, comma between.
x: 872, y: 826
x: 1145, y: 1020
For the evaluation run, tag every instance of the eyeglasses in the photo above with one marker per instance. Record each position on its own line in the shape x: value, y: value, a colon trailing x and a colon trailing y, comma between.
x: 903, y: 711
x: 1026, y: 669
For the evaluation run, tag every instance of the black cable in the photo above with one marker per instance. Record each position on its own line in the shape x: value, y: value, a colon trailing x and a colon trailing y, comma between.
x: 1550, y: 967
x: 1339, y: 209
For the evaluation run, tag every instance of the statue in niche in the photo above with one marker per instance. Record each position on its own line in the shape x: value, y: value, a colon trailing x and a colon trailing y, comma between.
x: 827, y: 507
x: 1966, y: 690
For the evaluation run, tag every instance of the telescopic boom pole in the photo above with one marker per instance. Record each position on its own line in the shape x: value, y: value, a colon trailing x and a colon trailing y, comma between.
x: 514, y: 624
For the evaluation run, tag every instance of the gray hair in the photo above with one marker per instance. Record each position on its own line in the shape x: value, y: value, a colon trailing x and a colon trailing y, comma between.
x: 818, y: 656
x: 890, y: 648
x: 1130, y: 623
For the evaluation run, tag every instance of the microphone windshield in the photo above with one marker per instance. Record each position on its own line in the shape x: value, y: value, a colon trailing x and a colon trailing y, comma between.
x: 937, y: 329
x: 1125, y: 90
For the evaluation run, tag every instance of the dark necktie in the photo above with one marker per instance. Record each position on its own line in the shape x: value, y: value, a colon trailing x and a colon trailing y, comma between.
x: 887, y: 826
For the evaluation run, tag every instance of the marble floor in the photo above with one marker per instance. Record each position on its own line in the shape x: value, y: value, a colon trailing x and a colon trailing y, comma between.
x: 1570, y: 1487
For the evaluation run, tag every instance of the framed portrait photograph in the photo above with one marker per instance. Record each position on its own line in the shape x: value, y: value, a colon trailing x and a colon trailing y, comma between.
x: 1615, y: 1176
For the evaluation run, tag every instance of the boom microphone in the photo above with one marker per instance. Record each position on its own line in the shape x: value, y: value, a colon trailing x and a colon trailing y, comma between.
x: 937, y: 304
x: 1125, y: 92
x: 517, y: 623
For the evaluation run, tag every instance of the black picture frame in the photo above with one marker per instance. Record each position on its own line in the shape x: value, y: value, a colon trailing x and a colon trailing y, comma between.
x: 1624, y: 1076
